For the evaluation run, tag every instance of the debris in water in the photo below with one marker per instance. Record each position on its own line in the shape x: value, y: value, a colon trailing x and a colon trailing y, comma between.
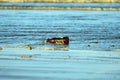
x: 58, y: 40
x: 26, y: 56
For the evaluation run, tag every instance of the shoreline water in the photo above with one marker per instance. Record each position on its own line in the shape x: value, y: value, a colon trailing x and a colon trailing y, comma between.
x: 57, y: 8
x: 52, y: 48
x: 91, y: 30
x: 61, y: 6
x: 24, y: 56
x: 49, y: 65
x: 64, y: 1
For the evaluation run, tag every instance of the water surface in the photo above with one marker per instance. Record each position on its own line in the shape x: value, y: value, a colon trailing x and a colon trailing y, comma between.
x: 94, y: 30
x: 88, y: 31
x: 99, y: 5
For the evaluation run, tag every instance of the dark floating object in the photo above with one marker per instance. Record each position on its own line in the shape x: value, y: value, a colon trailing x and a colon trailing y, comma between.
x: 58, y: 40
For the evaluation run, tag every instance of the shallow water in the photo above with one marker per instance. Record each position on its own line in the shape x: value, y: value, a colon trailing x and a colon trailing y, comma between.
x: 59, y: 65
x: 87, y: 30
x: 100, y: 5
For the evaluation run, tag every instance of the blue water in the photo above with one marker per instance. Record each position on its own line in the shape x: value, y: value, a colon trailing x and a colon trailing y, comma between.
x: 59, y: 65
x: 99, y: 5
x: 87, y: 30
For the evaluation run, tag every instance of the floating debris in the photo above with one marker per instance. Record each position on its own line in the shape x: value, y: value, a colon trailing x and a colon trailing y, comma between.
x: 26, y: 56
x: 58, y: 40
x: 60, y: 43
x: 27, y: 47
